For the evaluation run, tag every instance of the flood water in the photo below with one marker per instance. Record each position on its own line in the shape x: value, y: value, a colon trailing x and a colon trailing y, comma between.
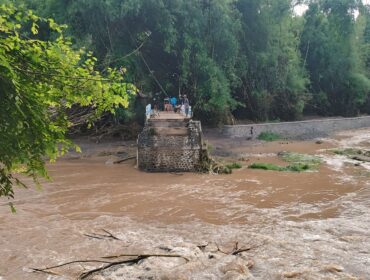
x: 312, y: 225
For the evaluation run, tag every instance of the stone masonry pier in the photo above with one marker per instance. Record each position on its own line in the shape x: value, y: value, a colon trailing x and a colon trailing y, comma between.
x: 170, y: 142
x: 297, y: 130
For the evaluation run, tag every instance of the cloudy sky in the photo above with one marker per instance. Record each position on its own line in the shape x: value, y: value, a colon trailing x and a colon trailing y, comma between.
x: 302, y: 8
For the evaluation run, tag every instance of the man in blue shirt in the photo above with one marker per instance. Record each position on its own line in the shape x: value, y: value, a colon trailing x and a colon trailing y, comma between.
x: 174, y: 102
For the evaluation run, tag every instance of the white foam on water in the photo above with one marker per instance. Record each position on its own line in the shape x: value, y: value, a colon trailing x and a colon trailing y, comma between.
x: 282, y: 240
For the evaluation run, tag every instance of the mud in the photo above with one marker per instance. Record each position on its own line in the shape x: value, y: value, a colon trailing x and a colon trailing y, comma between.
x: 312, y: 225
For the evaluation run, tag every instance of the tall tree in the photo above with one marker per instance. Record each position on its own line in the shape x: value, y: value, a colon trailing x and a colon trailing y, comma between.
x: 338, y: 79
x: 189, y: 47
x: 39, y: 81
x: 274, y: 84
x: 254, y: 58
x: 363, y: 43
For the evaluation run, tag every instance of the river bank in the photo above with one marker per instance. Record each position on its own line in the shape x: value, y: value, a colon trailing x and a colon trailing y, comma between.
x: 301, y: 130
x: 310, y: 225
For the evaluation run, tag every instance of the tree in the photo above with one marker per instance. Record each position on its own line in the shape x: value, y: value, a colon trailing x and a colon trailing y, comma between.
x: 182, y: 46
x: 39, y: 80
x: 215, y: 51
x: 253, y: 58
x: 339, y: 83
x: 274, y: 83
x: 363, y: 43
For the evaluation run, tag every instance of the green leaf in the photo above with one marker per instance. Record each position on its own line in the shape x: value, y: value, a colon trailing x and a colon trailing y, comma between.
x: 34, y: 28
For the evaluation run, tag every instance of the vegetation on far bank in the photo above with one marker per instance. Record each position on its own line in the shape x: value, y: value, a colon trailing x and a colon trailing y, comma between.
x: 297, y: 163
x: 248, y: 59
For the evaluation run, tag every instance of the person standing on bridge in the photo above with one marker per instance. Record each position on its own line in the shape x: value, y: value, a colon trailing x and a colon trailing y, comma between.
x: 148, y: 111
x: 167, y: 104
x: 186, y: 104
x: 173, y: 102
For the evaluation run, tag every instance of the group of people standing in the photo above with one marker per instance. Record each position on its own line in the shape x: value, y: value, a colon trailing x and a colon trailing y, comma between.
x: 181, y: 105
x: 172, y: 104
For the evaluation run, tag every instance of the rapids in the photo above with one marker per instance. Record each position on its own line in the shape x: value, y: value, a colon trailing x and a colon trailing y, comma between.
x: 312, y: 225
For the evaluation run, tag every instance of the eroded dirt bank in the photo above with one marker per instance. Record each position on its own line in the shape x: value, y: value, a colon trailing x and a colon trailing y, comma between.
x: 311, y: 225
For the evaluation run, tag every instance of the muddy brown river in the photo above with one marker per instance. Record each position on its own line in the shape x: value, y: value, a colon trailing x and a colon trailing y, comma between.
x: 310, y: 225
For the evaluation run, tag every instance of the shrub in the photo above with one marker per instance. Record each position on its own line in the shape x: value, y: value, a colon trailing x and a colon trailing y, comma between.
x: 234, y: 165
x: 269, y: 136
x: 266, y: 166
x: 295, y: 167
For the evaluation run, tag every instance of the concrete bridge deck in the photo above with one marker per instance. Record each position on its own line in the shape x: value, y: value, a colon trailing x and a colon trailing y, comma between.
x: 163, y: 115
x: 169, y: 123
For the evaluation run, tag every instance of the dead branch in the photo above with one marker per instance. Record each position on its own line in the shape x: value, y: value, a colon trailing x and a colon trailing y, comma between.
x: 93, y: 236
x: 136, y: 257
x: 147, y: 256
x: 108, y: 235
x: 44, y: 271
x: 123, y: 160
x: 237, y: 250
x: 108, y: 264
x: 131, y: 261
x: 64, y: 264
x: 241, y: 250
x: 86, y: 274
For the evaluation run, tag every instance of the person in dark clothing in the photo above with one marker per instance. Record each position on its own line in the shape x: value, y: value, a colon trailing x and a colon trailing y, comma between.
x: 156, y: 104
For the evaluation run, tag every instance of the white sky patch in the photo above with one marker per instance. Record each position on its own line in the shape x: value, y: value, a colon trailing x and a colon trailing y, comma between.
x: 301, y: 9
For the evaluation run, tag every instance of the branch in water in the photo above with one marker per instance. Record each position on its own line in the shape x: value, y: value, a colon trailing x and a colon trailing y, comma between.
x: 64, y: 264
x: 131, y: 261
x: 103, y: 236
x: 138, y: 258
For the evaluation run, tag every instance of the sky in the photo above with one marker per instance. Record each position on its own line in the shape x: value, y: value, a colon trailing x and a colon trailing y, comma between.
x: 300, y: 9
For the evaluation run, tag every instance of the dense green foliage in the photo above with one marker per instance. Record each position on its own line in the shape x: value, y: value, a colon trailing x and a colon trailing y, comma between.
x: 253, y: 58
x: 274, y: 84
x: 250, y: 59
x: 332, y: 41
x: 39, y: 80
